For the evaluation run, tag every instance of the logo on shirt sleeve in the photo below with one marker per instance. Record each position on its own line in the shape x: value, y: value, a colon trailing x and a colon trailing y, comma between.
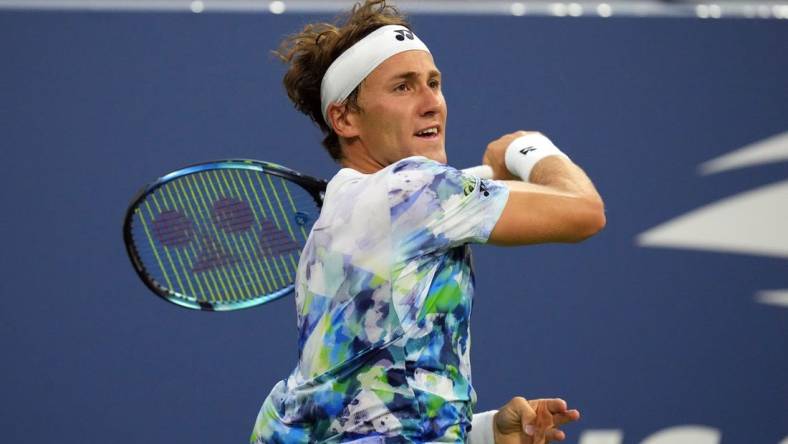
x: 469, y: 185
x: 483, y: 188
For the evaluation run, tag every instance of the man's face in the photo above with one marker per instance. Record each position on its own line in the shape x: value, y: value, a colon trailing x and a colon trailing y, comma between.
x: 404, y: 112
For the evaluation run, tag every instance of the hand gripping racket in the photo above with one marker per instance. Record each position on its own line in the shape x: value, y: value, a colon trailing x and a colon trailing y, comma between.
x: 224, y: 235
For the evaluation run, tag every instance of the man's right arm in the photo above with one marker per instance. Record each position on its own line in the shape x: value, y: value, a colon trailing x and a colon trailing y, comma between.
x: 556, y: 202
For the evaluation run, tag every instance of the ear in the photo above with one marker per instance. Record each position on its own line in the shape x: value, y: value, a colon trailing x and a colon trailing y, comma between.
x: 343, y: 120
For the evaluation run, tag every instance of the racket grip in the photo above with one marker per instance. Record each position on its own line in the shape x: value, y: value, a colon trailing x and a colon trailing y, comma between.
x: 482, y: 171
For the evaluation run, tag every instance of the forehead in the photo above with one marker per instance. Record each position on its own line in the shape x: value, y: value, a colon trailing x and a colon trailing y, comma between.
x: 415, y: 61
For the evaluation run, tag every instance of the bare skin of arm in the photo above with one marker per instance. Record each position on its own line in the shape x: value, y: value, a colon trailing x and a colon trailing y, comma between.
x: 558, y: 204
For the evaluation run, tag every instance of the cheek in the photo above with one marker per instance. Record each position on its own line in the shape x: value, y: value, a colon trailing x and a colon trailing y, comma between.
x: 389, y: 123
x: 387, y: 127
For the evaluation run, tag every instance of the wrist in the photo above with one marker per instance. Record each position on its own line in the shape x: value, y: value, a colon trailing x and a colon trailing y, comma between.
x: 524, y: 152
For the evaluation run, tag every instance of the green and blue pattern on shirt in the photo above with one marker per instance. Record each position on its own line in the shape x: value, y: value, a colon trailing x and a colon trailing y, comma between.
x: 383, y: 296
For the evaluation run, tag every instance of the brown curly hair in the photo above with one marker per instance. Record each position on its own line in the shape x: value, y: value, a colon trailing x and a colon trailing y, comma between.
x: 310, y: 52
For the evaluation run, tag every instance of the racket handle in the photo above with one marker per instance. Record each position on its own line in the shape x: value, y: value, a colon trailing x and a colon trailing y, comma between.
x: 482, y: 171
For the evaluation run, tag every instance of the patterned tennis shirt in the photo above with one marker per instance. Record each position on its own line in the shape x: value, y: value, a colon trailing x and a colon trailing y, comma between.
x: 383, y: 297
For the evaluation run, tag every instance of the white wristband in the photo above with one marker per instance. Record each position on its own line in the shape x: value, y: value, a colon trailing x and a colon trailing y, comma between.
x: 482, y: 428
x: 526, y: 151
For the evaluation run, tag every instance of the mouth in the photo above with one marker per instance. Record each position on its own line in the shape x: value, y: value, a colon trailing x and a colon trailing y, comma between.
x: 429, y: 133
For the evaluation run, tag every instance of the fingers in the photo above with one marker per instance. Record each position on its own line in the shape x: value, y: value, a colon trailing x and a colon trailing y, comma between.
x: 555, y: 435
x: 538, y: 419
x: 551, y: 414
x: 555, y: 405
x: 540, y: 427
x: 559, y: 409
x: 508, y: 138
x: 523, y: 408
x: 566, y: 417
x: 559, y: 419
x: 514, y: 416
x: 544, y: 417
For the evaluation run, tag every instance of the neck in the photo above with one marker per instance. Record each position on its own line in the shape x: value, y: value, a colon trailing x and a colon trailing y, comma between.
x: 357, y: 157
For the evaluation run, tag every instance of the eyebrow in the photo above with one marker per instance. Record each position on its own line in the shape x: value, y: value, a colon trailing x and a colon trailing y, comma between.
x: 410, y: 75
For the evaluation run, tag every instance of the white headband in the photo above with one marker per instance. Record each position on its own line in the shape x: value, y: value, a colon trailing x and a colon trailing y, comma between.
x: 355, y: 64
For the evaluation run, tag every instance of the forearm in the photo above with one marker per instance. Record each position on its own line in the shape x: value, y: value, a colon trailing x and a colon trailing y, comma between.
x: 554, y: 200
x: 563, y: 175
x: 558, y: 204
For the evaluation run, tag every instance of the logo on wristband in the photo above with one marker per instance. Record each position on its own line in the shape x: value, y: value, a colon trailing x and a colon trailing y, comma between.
x: 527, y: 150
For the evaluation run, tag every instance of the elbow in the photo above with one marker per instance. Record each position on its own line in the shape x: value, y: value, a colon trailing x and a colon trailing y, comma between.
x: 597, y: 221
x: 592, y: 221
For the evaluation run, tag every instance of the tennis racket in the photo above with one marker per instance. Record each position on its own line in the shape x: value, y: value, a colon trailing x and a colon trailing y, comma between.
x: 225, y: 235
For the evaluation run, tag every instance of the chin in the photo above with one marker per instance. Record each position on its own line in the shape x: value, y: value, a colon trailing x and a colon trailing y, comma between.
x: 439, y: 157
x: 436, y: 153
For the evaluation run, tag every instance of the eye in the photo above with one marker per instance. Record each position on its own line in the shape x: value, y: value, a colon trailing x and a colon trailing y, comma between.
x: 435, y: 83
x: 402, y: 87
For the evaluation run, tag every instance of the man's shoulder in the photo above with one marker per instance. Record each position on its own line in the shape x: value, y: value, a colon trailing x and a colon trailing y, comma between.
x: 403, y: 176
x: 420, y: 163
x: 415, y: 170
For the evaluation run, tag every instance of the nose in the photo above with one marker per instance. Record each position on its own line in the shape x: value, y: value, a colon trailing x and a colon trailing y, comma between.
x: 431, y: 101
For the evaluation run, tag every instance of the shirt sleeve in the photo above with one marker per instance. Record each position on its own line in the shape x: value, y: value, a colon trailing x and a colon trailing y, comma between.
x: 434, y: 206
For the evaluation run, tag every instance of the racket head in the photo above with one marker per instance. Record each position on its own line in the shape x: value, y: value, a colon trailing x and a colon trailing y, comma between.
x: 222, y: 235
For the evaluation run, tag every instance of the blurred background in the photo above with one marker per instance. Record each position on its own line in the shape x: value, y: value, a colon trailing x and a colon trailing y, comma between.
x: 669, y: 327
x: 763, y: 9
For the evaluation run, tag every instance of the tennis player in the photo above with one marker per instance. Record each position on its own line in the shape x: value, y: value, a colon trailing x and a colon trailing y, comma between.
x: 384, y: 286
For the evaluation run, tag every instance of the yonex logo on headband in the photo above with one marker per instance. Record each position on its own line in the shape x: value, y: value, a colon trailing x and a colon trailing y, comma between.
x: 355, y: 64
x: 402, y: 33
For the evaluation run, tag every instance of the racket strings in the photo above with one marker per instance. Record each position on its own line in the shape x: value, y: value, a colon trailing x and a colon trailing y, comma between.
x: 211, y: 256
x: 223, y: 236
